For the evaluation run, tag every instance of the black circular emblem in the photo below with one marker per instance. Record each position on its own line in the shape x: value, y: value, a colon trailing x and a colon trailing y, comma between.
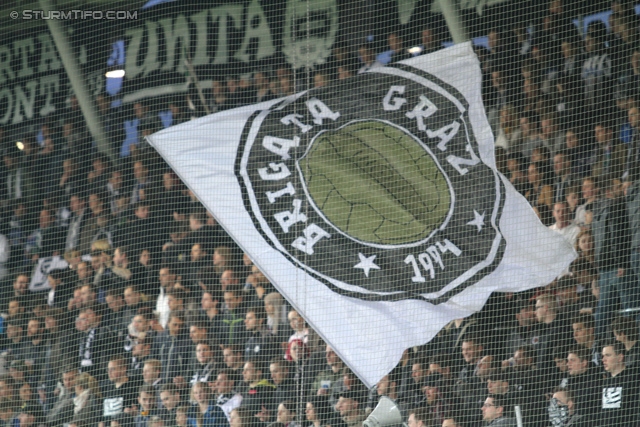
x: 376, y: 187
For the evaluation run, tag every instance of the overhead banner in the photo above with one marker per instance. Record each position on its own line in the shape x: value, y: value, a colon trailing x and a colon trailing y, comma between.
x: 31, y: 78
x: 373, y: 206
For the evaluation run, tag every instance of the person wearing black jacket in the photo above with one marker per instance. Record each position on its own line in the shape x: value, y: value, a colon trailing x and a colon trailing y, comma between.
x: 94, y: 344
x: 119, y: 392
x: 281, y: 376
x: 172, y: 348
x: 204, y: 367
x: 620, y: 392
x: 585, y: 379
x: 612, y: 240
x: 259, y: 343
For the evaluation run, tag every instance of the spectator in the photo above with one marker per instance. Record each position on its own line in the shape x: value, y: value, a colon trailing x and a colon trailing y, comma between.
x: 76, y: 221
x: 133, y: 302
x: 234, y: 316
x: 151, y: 374
x: 470, y: 387
x: 140, y: 354
x: 327, y: 377
x: 170, y: 396
x: 85, y: 274
x: 530, y: 134
x: 584, y: 246
x: 584, y: 335
x: 317, y: 412
x: 563, y: 410
x: 281, y: 376
x: 619, y: 388
x: 626, y: 331
x: 240, y: 417
x: 552, y: 332
x: 276, y: 309
x: 16, y: 345
x: 204, y: 366
x: 156, y: 421
x: 143, y: 224
x: 124, y: 269
x: 86, y: 403
x: 590, y: 195
x: 114, y: 317
x: 61, y: 410
x: 226, y: 396
x: 563, y: 177
x: 176, y: 299
x: 396, y: 50
x: 57, y: 352
x: 299, y: 326
x: 610, y: 153
x: 182, y: 416
x: 633, y: 209
x: 579, y: 153
x: 518, y: 172
x: 199, y: 260
x: 435, y: 400
x: 258, y: 391
x: 233, y: 356
x: 563, y: 225
x: 211, y: 313
x: 286, y: 414
x: 94, y: 343
x: 585, y: 379
x: 552, y: 137
x: 19, y: 293
x: 259, y: 343
x: 262, y: 81
x: 119, y: 391
x: 351, y: 406
x: 388, y: 387
x: 167, y: 282
x: 494, y: 411
x: 540, y: 194
x: 413, y: 395
x: 47, y: 240
x: 173, y: 348
x: 35, y: 349
x: 420, y: 417
x: 450, y: 422
x: 205, y: 410
x: 147, y: 400
x: 612, y: 240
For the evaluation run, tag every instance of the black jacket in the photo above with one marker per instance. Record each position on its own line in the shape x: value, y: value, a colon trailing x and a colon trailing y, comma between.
x: 611, y: 234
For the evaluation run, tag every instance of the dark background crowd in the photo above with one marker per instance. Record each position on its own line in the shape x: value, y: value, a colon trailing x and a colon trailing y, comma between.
x: 156, y: 318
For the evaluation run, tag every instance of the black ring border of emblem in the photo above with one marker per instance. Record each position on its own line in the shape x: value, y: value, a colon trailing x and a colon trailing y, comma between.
x: 377, y: 297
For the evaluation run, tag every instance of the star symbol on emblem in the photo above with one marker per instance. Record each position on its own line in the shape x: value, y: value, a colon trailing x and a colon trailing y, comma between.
x: 366, y: 263
x: 478, y: 221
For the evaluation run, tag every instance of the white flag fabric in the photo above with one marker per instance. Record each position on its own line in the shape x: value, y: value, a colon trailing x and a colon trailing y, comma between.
x: 373, y: 206
x: 39, y: 276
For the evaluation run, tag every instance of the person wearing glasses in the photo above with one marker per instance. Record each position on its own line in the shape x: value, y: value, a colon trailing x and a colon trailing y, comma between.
x: 494, y: 410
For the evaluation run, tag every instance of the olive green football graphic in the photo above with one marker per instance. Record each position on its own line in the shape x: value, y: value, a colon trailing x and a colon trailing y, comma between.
x: 376, y: 184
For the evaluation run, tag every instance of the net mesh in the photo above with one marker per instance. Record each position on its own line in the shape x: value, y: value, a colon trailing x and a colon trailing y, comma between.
x: 328, y: 238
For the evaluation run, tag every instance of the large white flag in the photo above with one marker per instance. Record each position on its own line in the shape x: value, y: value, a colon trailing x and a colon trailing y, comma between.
x: 373, y: 206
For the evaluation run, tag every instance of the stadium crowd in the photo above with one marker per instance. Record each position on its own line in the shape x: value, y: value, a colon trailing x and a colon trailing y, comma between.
x: 159, y: 320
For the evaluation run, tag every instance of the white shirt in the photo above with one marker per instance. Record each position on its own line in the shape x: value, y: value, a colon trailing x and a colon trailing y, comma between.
x: 570, y: 232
